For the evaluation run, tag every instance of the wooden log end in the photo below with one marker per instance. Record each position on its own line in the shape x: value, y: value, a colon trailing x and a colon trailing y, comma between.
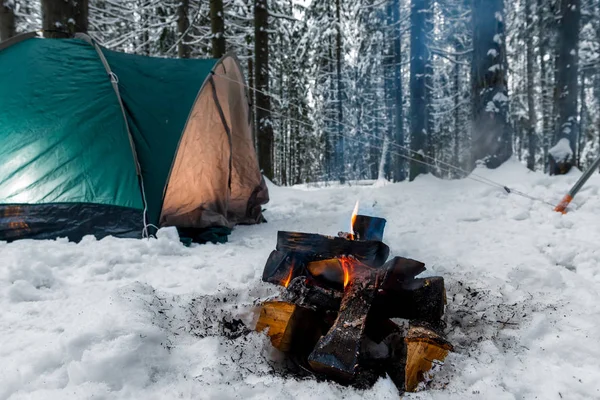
x: 290, y: 327
x: 424, y: 346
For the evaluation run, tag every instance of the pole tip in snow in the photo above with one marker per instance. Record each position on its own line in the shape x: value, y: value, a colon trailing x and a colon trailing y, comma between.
x: 564, y: 203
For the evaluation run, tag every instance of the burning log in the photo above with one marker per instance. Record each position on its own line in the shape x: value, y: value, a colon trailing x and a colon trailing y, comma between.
x: 330, y: 270
x: 312, y: 296
x: 337, y: 353
x: 370, y: 252
x: 291, y: 327
x: 368, y: 228
x: 424, y: 347
x: 282, y: 267
x: 334, y: 317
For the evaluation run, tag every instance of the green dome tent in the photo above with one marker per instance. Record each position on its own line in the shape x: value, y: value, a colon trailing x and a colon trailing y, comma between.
x: 97, y: 142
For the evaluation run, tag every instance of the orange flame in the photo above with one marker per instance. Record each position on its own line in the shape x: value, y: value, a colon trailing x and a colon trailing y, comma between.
x: 353, y: 219
x: 346, y: 267
x: 287, y: 281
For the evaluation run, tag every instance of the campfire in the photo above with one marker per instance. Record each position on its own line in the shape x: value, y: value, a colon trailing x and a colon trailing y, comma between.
x: 349, y: 314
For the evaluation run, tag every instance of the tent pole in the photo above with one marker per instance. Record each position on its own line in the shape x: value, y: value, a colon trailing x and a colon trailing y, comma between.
x: 564, y: 203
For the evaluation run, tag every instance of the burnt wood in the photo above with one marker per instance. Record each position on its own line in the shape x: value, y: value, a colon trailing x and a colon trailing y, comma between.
x: 398, y: 270
x: 281, y: 267
x: 329, y: 271
x: 395, y: 364
x: 308, y: 295
x: 315, y: 246
x: 421, y: 299
x: 337, y: 353
x: 368, y: 228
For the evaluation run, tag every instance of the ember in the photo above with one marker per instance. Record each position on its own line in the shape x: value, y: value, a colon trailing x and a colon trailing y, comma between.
x: 341, y: 294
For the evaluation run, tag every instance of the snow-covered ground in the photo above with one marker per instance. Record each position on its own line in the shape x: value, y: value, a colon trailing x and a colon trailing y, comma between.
x: 152, y: 319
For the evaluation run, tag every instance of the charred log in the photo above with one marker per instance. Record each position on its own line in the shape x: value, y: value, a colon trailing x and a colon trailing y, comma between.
x: 370, y: 252
x: 282, y: 267
x: 312, y: 296
x: 422, y: 299
x: 337, y: 353
x: 368, y: 228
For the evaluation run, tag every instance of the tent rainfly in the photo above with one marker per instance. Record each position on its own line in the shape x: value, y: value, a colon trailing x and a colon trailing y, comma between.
x: 103, y: 143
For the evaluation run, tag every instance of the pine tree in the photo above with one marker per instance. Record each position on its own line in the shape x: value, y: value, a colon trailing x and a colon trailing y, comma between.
x: 64, y: 17
x: 562, y: 154
x: 7, y: 19
x: 419, y: 90
x: 261, y: 76
x: 491, y: 132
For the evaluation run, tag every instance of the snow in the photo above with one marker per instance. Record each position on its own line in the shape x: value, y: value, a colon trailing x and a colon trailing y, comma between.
x: 561, y: 151
x: 125, y: 319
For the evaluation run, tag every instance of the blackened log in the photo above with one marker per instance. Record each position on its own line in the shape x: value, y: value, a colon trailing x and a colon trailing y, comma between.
x: 330, y: 271
x: 378, y: 328
x: 370, y: 252
x: 422, y: 299
x: 399, y: 270
x: 282, y: 267
x: 391, y: 275
x: 336, y: 354
x: 368, y: 228
x: 312, y: 296
x: 395, y: 365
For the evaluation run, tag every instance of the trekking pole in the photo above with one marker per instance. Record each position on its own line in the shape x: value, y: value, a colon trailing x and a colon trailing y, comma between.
x: 564, y: 203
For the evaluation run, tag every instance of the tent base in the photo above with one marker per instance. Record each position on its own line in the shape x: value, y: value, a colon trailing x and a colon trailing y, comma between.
x: 70, y: 220
x: 217, y: 234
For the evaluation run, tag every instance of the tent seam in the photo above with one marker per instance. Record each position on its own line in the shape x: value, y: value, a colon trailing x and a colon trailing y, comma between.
x: 114, y: 82
x: 225, y: 125
x: 202, y: 87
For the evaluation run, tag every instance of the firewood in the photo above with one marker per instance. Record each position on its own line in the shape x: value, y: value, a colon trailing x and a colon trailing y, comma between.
x: 378, y: 328
x: 329, y: 270
x: 421, y: 298
x: 336, y: 354
x: 368, y: 228
x: 290, y: 327
x: 424, y: 347
x: 370, y: 252
x: 282, y: 267
x: 395, y: 365
x: 400, y: 269
x: 312, y: 296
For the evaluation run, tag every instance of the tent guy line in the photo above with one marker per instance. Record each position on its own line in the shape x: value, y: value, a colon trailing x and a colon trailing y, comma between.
x: 470, y: 175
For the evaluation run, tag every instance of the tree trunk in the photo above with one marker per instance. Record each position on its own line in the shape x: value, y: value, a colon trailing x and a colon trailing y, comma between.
x: 63, y: 18
x: 561, y: 159
x: 399, y: 174
x: 419, y: 58
x: 183, y: 25
x: 7, y: 20
x: 543, y: 50
x: 582, y: 115
x: 491, y: 133
x: 261, y: 76
x: 457, y: 127
x: 532, y: 120
x: 339, y: 150
x: 217, y: 26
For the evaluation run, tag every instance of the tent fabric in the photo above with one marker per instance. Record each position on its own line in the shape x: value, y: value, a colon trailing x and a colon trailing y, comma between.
x: 50, y: 92
x: 67, y: 167
x: 232, y: 168
x: 158, y: 94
